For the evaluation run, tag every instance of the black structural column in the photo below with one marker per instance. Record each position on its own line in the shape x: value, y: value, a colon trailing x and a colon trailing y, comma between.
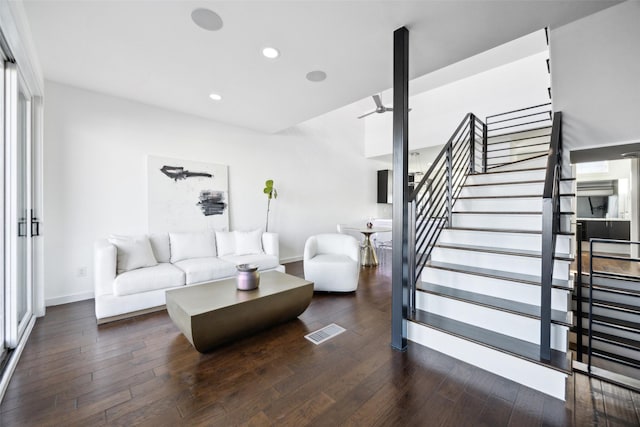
x: 400, y: 230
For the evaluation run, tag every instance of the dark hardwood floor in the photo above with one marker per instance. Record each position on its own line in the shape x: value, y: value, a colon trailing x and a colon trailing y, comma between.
x: 630, y: 268
x: 142, y: 371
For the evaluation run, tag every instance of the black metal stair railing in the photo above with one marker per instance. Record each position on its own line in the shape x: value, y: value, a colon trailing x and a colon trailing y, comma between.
x: 431, y: 201
x: 550, y: 229
x: 517, y: 148
x: 628, y: 317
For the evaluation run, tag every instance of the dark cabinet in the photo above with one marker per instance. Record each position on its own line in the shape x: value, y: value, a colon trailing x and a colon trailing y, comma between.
x: 385, y: 185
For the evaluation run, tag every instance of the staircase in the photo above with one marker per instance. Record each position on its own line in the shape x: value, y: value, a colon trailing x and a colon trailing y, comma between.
x: 478, y: 291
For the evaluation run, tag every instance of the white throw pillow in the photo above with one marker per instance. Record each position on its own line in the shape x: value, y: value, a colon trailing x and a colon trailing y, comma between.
x: 132, y: 252
x: 160, y: 245
x: 226, y: 242
x: 192, y: 245
x: 248, y: 242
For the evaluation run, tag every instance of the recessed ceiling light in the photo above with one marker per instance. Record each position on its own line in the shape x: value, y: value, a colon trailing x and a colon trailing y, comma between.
x: 270, y: 52
x: 316, y: 76
x: 215, y: 96
x: 207, y: 19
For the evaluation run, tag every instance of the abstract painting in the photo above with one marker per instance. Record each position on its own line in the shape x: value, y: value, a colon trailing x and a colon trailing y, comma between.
x: 184, y: 195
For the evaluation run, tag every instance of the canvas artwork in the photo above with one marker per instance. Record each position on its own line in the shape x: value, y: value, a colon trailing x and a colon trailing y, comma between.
x: 185, y: 195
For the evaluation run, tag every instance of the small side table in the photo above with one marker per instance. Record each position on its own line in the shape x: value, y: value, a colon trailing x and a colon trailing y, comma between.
x: 369, y: 258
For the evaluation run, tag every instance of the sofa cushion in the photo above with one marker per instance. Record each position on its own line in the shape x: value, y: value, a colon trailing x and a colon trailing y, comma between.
x: 225, y: 242
x: 263, y: 261
x: 132, y: 252
x: 161, y: 276
x: 205, y: 269
x: 248, y: 242
x: 160, y: 245
x: 192, y: 245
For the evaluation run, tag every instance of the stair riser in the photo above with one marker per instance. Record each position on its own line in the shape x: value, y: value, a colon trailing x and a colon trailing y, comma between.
x: 520, y: 264
x: 513, y: 204
x: 515, y: 291
x: 503, y: 190
x: 498, y: 148
x: 543, y: 379
x: 538, y: 162
x: 519, y: 135
x: 507, y: 240
x: 513, y: 325
x: 509, y: 222
x: 492, y: 221
x: 529, y: 204
x: 512, y: 189
x: 535, y: 175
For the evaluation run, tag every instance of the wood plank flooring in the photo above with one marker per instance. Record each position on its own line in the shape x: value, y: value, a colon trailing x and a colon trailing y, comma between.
x: 142, y: 371
x: 629, y: 268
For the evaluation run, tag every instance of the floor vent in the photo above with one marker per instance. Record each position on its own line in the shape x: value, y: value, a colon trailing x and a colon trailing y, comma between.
x: 326, y: 333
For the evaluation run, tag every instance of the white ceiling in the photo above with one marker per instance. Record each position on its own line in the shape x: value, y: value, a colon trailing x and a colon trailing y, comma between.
x: 152, y: 52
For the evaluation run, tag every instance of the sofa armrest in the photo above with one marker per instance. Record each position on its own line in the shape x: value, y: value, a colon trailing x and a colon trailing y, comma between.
x: 104, y: 267
x: 271, y: 245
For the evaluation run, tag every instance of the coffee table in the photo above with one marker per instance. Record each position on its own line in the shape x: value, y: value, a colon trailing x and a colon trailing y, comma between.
x: 215, y: 313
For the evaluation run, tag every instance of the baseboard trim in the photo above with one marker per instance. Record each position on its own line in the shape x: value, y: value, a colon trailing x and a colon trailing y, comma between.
x: 291, y: 259
x: 132, y: 314
x: 68, y: 299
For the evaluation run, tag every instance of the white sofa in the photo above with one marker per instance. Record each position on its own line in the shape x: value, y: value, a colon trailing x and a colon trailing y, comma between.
x: 132, y: 273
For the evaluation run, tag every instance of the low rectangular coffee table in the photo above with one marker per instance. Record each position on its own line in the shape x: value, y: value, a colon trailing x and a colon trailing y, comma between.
x: 215, y: 313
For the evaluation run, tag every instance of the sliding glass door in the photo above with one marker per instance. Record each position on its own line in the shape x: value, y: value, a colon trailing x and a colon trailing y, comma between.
x: 3, y: 104
x: 21, y: 89
x: 18, y: 285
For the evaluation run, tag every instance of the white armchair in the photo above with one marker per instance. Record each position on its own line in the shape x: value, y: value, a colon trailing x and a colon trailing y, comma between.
x: 332, y: 262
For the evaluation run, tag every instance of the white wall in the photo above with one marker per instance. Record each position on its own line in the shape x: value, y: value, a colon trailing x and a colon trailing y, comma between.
x: 95, y: 175
x: 436, y: 113
x: 595, y: 65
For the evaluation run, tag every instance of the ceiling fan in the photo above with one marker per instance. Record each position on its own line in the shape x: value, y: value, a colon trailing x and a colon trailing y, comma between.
x: 379, y: 107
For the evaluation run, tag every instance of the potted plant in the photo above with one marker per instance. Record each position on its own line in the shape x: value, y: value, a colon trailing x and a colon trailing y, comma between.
x: 271, y: 193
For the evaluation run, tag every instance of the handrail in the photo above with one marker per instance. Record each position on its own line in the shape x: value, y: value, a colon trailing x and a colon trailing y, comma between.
x: 550, y: 228
x: 431, y: 201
